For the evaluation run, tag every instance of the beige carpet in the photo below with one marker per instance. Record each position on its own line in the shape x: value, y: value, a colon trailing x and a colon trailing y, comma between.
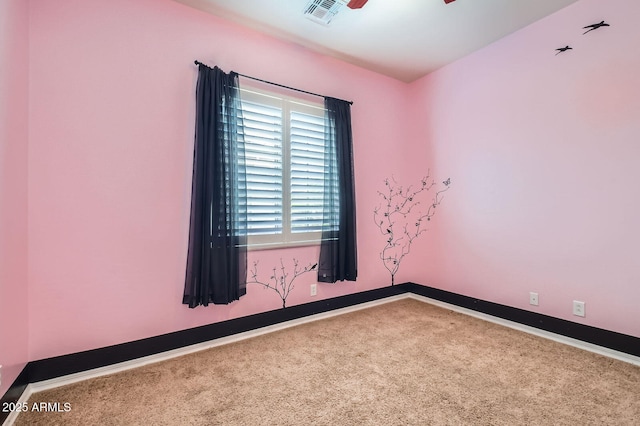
x: 402, y: 363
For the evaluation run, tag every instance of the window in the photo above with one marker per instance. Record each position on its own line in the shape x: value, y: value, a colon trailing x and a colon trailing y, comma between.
x: 284, y: 157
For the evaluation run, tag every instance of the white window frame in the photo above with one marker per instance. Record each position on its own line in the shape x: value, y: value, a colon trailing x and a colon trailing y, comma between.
x: 286, y: 104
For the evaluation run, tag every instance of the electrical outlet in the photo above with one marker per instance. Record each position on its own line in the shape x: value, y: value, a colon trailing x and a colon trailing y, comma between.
x: 0, y: 375
x: 314, y: 289
x: 578, y: 308
x: 533, y: 298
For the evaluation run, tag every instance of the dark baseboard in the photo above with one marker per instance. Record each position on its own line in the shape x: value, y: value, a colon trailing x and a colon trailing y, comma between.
x: 597, y: 336
x: 50, y: 368
x: 13, y: 394
x: 44, y: 369
x: 73, y: 363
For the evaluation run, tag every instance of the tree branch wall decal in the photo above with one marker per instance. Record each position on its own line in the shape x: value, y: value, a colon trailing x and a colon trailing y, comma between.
x: 394, y: 218
x: 278, y: 280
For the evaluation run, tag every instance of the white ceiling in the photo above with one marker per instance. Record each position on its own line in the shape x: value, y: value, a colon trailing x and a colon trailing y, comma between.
x: 404, y: 39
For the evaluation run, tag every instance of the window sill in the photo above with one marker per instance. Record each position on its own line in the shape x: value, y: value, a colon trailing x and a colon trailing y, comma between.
x: 292, y: 244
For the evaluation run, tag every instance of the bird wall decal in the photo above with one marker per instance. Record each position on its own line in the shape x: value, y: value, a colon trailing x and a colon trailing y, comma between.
x: 595, y: 26
x: 563, y: 49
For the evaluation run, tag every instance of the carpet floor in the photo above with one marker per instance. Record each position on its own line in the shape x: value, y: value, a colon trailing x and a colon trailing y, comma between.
x: 400, y: 363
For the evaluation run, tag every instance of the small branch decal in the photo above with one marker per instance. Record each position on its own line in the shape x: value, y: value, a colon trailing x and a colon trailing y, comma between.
x: 278, y: 279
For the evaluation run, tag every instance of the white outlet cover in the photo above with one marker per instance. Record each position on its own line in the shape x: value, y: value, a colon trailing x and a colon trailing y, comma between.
x: 578, y: 308
x: 533, y: 298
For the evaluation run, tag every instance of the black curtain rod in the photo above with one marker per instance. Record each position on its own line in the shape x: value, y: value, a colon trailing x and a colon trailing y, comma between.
x: 274, y: 84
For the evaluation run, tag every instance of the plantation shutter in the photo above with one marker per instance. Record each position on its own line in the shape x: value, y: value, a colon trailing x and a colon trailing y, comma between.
x: 284, y: 158
x: 307, y: 166
x: 263, y: 158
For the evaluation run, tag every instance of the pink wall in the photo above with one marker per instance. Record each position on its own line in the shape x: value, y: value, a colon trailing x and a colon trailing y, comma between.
x: 14, y: 85
x: 112, y: 117
x: 543, y: 151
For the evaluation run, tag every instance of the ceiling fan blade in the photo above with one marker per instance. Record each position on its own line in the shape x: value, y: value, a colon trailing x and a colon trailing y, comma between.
x: 448, y: 1
x: 356, y: 4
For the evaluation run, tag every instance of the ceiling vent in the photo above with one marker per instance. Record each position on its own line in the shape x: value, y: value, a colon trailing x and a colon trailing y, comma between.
x: 323, y: 11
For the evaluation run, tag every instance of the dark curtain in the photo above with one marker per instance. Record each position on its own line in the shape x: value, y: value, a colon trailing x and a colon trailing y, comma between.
x: 338, y: 254
x: 217, y: 258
